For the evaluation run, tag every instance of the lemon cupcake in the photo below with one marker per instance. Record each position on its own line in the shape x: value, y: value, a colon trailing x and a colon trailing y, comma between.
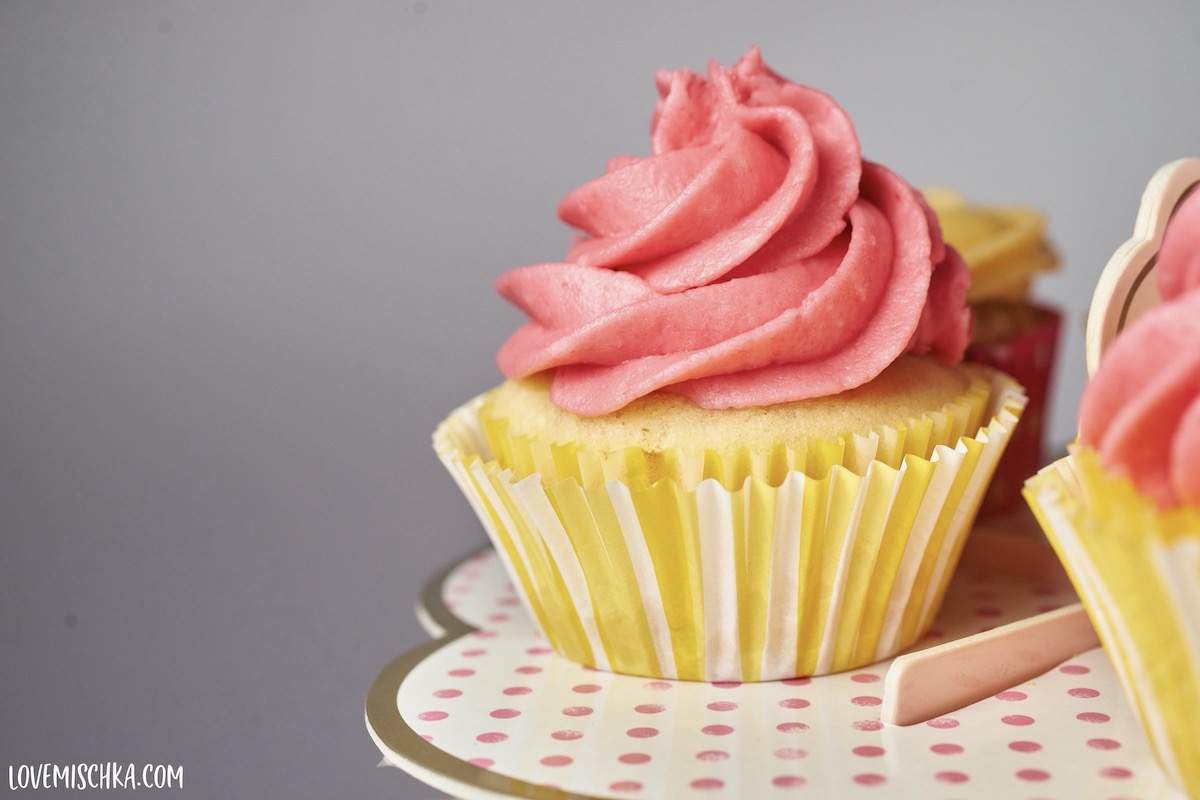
x: 1006, y: 248
x: 736, y: 441
x: 1123, y: 510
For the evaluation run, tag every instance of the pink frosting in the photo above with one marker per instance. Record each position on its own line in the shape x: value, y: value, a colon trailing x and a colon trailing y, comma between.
x: 1141, y: 411
x: 753, y: 258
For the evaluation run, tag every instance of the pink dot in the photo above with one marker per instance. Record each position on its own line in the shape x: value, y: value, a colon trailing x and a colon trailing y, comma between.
x: 791, y: 727
x: 1083, y: 692
x: 491, y: 738
x: 869, y: 779
x: 1117, y: 773
x: 498, y: 617
x: 660, y: 686
x: 951, y: 776
x: 446, y: 694
x: 504, y: 713
x: 557, y: 761
x: 1074, y: 669
x: 727, y: 684
x: 1016, y: 719
x: 1024, y: 746
x: 987, y: 611
x: 432, y: 716
x: 865, y: 700
x: 517, y: 691
x: 712, y: 755
x: 485, y: 634
x: 1033, y: 775
x: 946, y: 749
x: 474, y: 653
x: 507, y: 602
x: 577, y: 711
x: 486, y: 763
x: 649, y: 708
x: 787, y: 781
x: 462, y: 672
x: 566, y: 735
x: 722, y: 705
x: 803, y: 680
x: 1012, y: 696
x: 1103, y: 744
x: 864, y: 677
x: 704, y: 784
x: 1092, y: 716
x: 528, y: 670
x: 586, y: 688
x: 625, y: 786
x: 790, y: 753
x: 634, y: 758
x: 538, y: 651
x: 943, y: 723
x: 794, y: 702
x: 642, y: 733
x: 426, y: 737
x: 868, y: 751
x: 716, y: 730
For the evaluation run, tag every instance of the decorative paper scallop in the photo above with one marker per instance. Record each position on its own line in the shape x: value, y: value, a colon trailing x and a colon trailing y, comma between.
x: 488, y: 711
x: 1125, y: 290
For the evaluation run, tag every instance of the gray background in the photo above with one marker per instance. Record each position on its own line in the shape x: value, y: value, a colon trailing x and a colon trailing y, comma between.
x: 246, y: 254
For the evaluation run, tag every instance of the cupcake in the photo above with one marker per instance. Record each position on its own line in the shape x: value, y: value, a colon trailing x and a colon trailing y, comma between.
x: 1006, y: 249
x: 1123, y: 509
x: 736, y: 441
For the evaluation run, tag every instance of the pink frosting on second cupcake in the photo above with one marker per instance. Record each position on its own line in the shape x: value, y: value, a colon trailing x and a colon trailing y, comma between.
x: 753, y: 258
x: 1141, y: 411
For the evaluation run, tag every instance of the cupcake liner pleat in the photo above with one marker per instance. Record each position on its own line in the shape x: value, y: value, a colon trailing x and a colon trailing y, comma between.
x: 1137, y: 570
x: 813, y: 574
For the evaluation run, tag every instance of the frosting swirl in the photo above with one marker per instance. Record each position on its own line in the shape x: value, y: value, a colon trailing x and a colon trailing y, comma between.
x: 1141, y: 410
x: 753, y: 258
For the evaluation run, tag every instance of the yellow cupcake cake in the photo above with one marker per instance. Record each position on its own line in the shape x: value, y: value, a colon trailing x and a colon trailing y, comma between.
x: 1123, y: 510
x: 736, y: 441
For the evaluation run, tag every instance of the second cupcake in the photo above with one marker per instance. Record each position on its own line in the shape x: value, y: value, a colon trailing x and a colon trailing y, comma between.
x: 736, y: 442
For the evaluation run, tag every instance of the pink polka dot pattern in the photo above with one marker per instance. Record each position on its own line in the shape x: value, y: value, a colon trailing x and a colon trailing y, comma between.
x: 515, y: 708
x: 716, y: 730
x: 951, y: 776
x: 577, y: 711
x: 504, y: 713
x: 1019, y: 720
x: 707, y: 784
x: 1035, y: 775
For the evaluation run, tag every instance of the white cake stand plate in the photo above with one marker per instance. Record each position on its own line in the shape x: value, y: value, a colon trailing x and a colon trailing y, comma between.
x: 486, y: 710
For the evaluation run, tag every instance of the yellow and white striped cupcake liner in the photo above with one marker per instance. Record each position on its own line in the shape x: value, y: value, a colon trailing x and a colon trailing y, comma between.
x: 1137, y: 570
x: 812, y: 575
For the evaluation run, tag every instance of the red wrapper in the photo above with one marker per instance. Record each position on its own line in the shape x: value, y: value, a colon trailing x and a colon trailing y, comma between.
x: 1028, y: 355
